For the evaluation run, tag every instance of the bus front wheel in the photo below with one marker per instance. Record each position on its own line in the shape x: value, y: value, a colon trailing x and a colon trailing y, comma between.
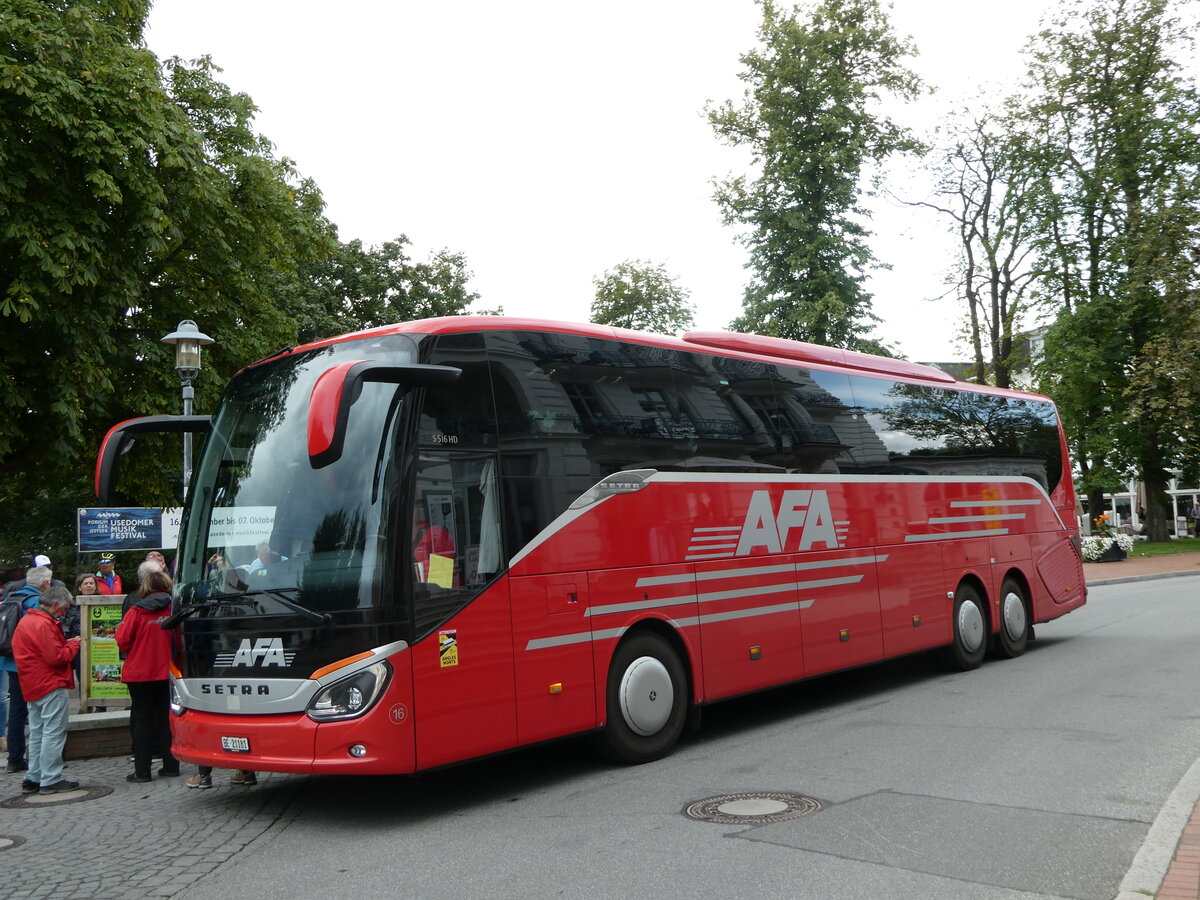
x: 647, y: 700
x: 970, y: 629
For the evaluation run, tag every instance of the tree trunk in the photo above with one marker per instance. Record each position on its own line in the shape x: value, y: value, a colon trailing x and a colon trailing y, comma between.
x: 1158, y: 526
x: 1095, y: 507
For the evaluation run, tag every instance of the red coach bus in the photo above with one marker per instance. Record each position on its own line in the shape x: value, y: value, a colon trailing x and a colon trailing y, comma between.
x: 438, y: 540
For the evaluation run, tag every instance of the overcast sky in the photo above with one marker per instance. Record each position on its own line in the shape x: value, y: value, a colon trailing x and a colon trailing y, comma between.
x: 549, y: 141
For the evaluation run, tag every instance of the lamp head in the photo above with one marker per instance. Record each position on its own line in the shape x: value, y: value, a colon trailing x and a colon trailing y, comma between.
x: 188, y: 339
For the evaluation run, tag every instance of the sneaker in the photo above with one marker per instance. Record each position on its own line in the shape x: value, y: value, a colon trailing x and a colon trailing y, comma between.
x: 243, y: 778
x: 168, y: 773
x: 139, y: 779
x: 203, y: 782
x: 14, y: 767
x: 29, y: 787
x: 60, y: 787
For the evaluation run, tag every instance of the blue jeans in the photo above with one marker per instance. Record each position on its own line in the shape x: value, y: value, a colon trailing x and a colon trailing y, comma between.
x: 3, y: 702
x: 48, y: 719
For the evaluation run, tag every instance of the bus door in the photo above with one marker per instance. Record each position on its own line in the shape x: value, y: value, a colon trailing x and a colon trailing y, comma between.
x: 462, y: 659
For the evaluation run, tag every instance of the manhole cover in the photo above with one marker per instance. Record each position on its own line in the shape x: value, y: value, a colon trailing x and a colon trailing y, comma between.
x: 752, y: 808
x: 7, y: 843
x: 35, y: 801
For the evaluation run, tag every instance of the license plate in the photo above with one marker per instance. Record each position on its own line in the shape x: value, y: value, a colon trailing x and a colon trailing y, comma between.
x: 236, y: 744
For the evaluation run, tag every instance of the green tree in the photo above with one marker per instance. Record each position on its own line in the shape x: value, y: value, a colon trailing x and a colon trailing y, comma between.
x: 360, y: 287
x: 132, y: 195
x: 811, y: 117
x: 642, y: 296
x: 1113, y: 131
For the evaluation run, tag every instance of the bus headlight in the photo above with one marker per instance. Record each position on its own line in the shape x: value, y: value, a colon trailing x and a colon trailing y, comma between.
x: 176, y: 699
x: 350, y: 697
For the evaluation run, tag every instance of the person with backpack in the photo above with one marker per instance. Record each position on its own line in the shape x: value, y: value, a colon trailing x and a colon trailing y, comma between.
x: 24, y: 599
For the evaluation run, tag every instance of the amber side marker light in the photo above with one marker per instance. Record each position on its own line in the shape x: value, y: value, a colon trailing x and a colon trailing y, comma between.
x: 341, y: 663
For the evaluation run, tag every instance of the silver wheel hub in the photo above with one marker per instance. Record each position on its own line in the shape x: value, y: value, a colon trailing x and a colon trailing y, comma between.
x: 646, y: 696
x: 1013, y: 611
x: 970, y: 626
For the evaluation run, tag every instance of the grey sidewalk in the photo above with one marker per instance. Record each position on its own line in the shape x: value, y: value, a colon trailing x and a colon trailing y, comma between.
x: 140, y: 840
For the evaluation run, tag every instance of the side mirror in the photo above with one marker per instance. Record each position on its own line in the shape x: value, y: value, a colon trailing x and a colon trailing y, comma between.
x: 120, y: 438
x: 338, y: 387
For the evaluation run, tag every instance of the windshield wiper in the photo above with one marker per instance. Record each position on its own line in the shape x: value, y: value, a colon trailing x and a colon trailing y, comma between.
x: 277, y: 594
x: 175, y: 618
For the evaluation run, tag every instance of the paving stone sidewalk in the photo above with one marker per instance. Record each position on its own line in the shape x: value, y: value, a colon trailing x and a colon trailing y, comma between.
x: 141, y: 840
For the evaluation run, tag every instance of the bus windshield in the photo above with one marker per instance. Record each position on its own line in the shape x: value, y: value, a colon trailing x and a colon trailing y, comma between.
x: 267, y: 533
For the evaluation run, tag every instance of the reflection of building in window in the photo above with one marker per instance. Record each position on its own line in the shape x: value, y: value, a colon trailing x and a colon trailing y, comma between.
x: 584, y: 399
x: 791, y: 421
x: 669, y: 414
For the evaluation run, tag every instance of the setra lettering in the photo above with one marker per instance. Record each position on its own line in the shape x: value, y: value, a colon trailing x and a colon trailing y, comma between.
x: 229, y: 690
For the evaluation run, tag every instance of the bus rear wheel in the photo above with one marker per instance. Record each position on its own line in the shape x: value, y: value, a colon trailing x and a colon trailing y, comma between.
x: 970, y: 629
x: 647, y: 700
x: 1014, y: 620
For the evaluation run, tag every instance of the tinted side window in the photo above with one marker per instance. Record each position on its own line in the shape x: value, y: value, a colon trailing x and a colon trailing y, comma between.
x: 820, y: 428
x: 461, y: 415
x: 931, y: 430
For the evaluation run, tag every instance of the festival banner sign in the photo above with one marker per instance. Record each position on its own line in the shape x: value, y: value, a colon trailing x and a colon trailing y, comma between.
x: 120, y: 528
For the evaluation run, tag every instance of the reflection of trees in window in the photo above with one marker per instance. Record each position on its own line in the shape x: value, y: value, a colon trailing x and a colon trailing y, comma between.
x: 951, y: 421
x: 962, y: 423
x: 257, y: 402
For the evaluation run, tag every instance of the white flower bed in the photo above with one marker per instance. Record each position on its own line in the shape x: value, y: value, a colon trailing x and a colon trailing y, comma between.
x: 1094, y: 546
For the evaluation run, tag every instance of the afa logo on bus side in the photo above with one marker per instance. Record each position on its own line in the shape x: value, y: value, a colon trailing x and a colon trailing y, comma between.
x: 806, y: 511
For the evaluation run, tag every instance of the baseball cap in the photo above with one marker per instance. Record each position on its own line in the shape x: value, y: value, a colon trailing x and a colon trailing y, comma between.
x: 108, y: 557
x: 42, y: 560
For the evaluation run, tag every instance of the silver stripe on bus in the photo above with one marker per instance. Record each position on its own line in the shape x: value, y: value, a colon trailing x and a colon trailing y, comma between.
x: 750, y: 571
x: 960, y: 503
x: 580, y: 637
x: 564, y: 640
x: 945, y: 535
x: 714, y: 596
x: 994, y: 517
x: 709, y: 618
x: 726, y: 528
x: 710, y: 539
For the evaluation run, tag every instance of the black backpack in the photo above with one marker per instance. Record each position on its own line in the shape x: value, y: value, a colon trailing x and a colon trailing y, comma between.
x: 10, y: 615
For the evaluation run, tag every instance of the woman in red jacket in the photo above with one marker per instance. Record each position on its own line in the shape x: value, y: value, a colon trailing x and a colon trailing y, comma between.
x: 147, y: 650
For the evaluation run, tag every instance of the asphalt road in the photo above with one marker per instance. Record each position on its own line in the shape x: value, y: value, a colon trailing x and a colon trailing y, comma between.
x: 1031, y: 777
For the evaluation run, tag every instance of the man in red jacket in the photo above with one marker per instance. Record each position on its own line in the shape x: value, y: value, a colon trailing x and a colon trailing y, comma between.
x: 43, y: 657
x: 107, y: 580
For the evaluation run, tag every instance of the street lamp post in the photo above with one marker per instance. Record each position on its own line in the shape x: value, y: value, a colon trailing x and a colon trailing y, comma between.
x: 188, y: 339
